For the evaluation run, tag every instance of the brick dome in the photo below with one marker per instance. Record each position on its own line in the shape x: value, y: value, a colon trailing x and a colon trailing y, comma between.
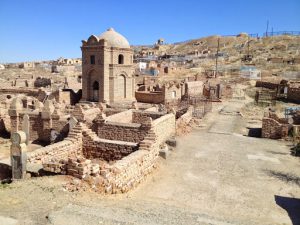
x: 114, y: 39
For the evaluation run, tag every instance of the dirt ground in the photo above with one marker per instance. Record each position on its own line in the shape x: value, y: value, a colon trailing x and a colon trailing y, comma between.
x: 216, y: 175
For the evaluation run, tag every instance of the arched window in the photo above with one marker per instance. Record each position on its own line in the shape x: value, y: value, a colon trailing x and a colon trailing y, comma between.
x: 121, y: 59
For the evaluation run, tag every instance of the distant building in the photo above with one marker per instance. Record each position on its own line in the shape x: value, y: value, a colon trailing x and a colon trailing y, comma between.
x: 142, y: 65
x: 25, y: 65
x: 160, y: 41
x: 250, y: 72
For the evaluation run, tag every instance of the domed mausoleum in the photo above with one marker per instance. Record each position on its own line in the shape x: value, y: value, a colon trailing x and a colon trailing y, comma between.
x: 107, y: 68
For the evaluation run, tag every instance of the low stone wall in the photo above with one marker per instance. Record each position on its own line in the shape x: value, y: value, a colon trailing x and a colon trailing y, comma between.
x: 70, y: 147
x: 164, y: 127
x: 39, y: 127
x: 131, y: 170
x: 130, y: 132
x: 134, y: 160
x: 28, y: 92
x: 139, y: 116
x: 150, y: 97
x: 273, y: 129
x: 184, y: 119
x: 265, y: 84
x: 109, y: 150
x: 81, y: 168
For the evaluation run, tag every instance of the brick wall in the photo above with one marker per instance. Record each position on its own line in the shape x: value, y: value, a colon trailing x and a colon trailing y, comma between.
x: 109, y: 150
x: 271, y: 128
x: 70, y: 147
x: 265, y: 84
x: 131, y: 132
x: 150, y: 97
x: 184, y: 119
x: 39, y: 127
x: 134, y: 160
x: 139, y: 116
x: 164, y: 127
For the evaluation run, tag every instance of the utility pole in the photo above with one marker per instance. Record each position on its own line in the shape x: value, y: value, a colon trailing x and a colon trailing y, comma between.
x: 272, y: 32
x: 267, y: 28
x: 248, y: 45
x: 217, y: 55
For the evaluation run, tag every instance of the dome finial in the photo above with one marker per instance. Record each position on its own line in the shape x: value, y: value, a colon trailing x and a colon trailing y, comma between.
x: 110, y: 29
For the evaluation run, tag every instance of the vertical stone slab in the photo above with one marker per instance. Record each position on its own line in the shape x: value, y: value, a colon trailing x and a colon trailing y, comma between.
x: 18, y: 154
x: 26, y: 127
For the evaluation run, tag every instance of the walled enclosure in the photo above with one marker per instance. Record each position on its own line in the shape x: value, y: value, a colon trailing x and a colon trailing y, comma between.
x: 79, y: 154
x: 274, y: 127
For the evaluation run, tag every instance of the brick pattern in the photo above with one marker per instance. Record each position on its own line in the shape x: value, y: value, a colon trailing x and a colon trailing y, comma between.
x: 122, y: 131
x: 71, y: 146
x: 81, y: 168
x: 81, y: 154
x: 109, y: 150
x: 274, y: 127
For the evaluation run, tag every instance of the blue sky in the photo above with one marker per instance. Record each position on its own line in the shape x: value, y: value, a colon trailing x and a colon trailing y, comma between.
x: 47, y: 29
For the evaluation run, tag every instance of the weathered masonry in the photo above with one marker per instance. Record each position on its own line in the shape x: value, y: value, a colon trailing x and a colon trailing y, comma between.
x: 107, y: 68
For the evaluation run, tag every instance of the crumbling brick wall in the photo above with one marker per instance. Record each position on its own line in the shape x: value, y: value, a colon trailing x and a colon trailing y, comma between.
x: 139, y: 116
x: 39, y: 128
x: 273, y: 129
x: 70, y: 147
x: 134, y: 161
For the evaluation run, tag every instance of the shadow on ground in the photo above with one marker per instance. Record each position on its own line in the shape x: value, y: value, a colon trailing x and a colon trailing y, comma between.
x: 286, y: 177
x: 254, y: 132
x: 5, y: 172
x: 292, y: 207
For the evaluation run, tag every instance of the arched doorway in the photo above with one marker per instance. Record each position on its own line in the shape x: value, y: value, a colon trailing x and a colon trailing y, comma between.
x: 95, y: 96
x: 121, y: 86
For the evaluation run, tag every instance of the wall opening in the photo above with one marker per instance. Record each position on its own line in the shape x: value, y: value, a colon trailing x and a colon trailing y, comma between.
x: 96, y: 91
x: 121, y: 59
x: 92, y: 59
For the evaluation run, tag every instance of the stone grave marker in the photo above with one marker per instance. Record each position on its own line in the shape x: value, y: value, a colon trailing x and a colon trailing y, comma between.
x: 18, y: 154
